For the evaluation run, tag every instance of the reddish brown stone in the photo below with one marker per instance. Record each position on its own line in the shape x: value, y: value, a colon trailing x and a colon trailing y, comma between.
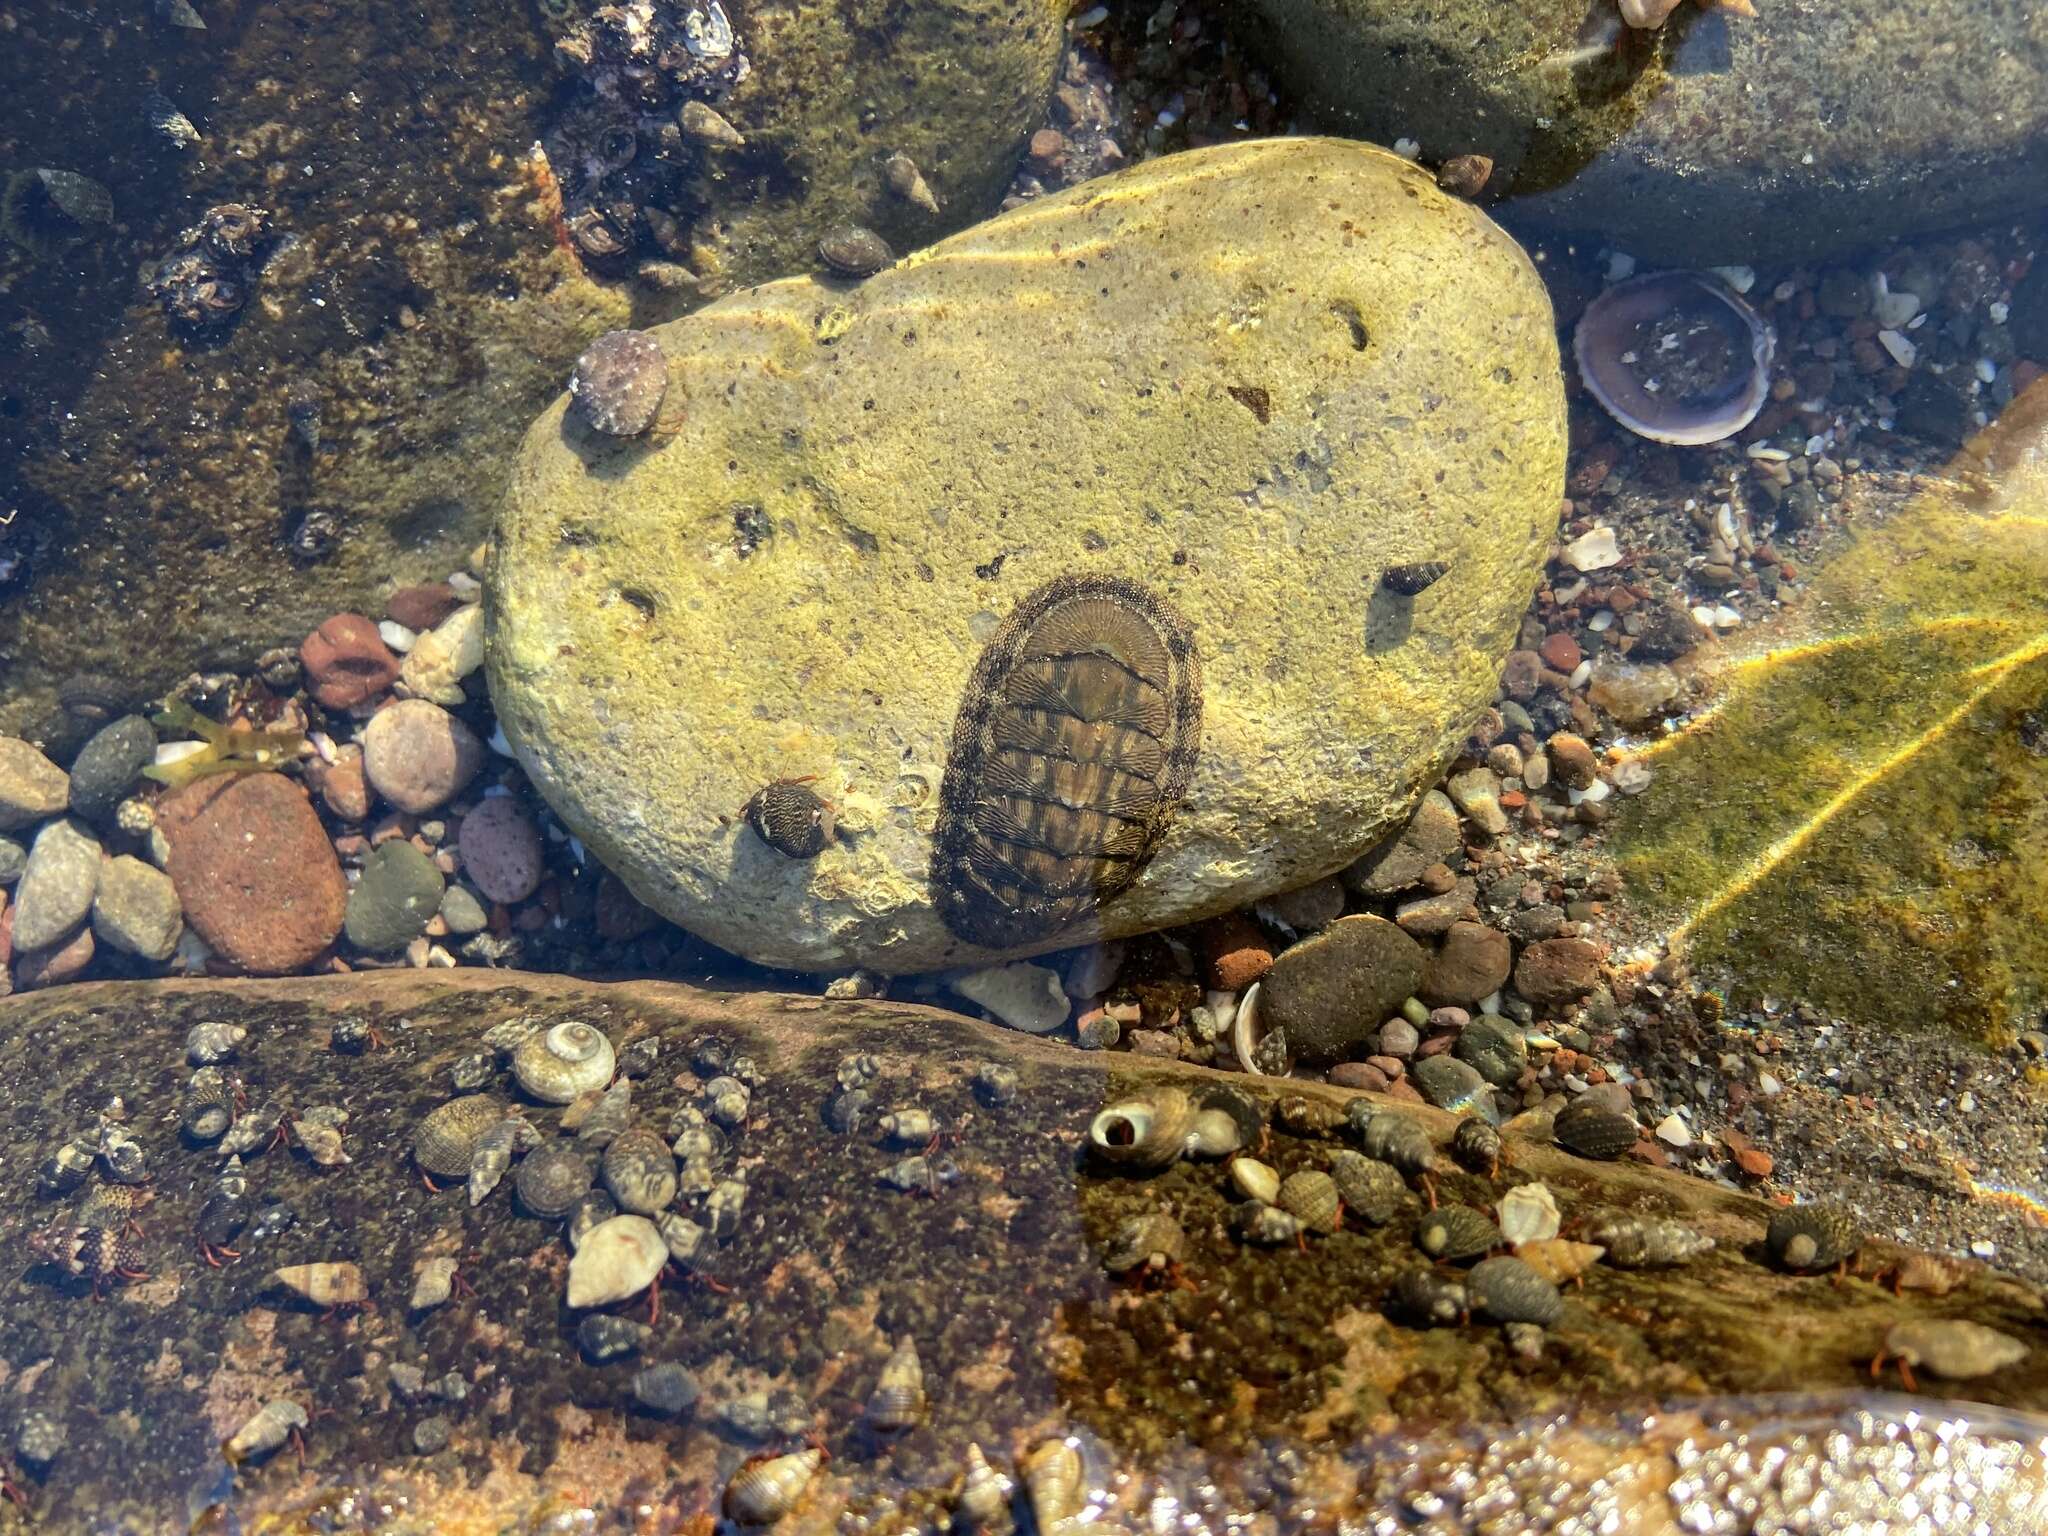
x: 35, y: 968
x: 1401, y: 1088
x: 1237, y: 952
x: 1522, y: 675
x: 254, y: 870
x: 1560, y: 651
x: 347, y: 661
x: 6, y: 945
x: 619, y: 913
x: 1389, y: 1067
x: 341, y: 783
x: 422, y: 607
x: 1471, y: 963
x: 1360, y: 1074
x: 1046, y: 147
x: 1557, y: 971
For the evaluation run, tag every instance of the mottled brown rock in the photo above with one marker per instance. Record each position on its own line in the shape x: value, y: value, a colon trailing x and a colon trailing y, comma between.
x: 1430, y: 837
x: 1332, y: 993
x: 34, y: 968
x: 1556, y: 971
x: 1573, y: 759
x: 254, y: 870
x: 418, y: 756
x: 31, y: 786
x: 342, y: 783
x: 1237, y: 952
x: 1471, y: 963
x: 422, y: 607
x: 347, y: 661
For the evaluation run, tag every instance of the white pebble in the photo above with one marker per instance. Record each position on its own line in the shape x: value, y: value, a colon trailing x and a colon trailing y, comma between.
x: 176, y: 751
x: 1768, y: 1085
x: 1601, y: 622
x: 1892, y: 307
x: 466, y: 586
x: 1987, y: 370
x: 1631, y: 775
x: 1815, y: 444
x: 1224, y: 1006
x: 1024, y: 996
x: 1094, y: 16
x: 1999, y: 312
x: 1594, y: 551
x: 1407, y: 149
x: 1983, y: 1248
x: 396, y: 635
x: 498, y: 743
x: 1580, y: 674
x: 1741, y: 279
x: 1620, y: 266
x: 1902, y: 351
x: 1674, y: 1132
x: 1595, y: 792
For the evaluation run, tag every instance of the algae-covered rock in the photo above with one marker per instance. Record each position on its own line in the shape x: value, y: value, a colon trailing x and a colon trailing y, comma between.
x: 999, y: 1276
x: 350, y: 431
x: 1247, y: 379
x: 1814, y: 125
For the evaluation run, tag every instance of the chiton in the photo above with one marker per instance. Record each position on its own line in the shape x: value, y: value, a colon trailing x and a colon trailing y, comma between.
x: 1073, y: 747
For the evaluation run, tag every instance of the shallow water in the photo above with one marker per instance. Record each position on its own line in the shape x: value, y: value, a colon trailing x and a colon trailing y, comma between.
x: 1078, y: 535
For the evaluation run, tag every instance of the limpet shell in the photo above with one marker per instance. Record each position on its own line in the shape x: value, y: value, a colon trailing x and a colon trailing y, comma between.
x: 557, y: 1064
x: 1594, y: 1131
x: 854, y: 251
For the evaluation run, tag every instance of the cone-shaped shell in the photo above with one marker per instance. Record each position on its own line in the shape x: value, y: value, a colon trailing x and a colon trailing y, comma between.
x: 446, y: 1140
x: 1476, y: 1145
x: 325, y: 1285
x: 1147, y: 1132
x: 984, y: 1492
x: 762, y: 1492
x: 555, y: 1065
x: 1675, y: 357
x: 616, y: 1259
x: 1400, y: 1142
x: 1052, y: 1476
x: 898, y: 1399
x: 640, y: 1171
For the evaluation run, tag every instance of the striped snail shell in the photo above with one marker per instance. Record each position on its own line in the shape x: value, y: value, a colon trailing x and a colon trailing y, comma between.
x: 762, y: 1492
x: 266, y: 1429
x: 1052, y: 1478
x: 1456, y: 1232
x: 1510, y: 1291
x: 898, y: 1400
x: 555, y: 1065
x: 1593, y: 1131
x: 446, y: 1140
x: 1310, y: 1197
x: 984, y: 1492
x: 325, y: 1285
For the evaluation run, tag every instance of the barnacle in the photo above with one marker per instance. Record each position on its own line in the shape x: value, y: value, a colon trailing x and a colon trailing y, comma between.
x: 228, y: 749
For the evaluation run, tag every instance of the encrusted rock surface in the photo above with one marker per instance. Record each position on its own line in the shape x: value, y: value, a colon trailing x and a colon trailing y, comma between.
x: 1203, y: 375
x: 998, y: 1278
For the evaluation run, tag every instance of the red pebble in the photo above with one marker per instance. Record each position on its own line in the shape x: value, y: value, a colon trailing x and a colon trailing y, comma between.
x: 347, y: 661
x: 1561, y: 652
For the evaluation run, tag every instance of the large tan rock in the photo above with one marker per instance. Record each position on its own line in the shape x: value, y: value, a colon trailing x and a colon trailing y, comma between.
x: 1249, y: 378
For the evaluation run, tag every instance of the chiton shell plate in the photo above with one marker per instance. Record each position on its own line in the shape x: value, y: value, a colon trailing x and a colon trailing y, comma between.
x: 1072, y: 749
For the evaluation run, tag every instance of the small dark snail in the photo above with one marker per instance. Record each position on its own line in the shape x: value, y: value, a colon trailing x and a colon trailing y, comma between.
x: 791, y: 818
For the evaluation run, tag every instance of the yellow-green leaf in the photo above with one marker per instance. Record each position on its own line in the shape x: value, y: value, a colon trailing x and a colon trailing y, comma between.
x: 1860, y: 818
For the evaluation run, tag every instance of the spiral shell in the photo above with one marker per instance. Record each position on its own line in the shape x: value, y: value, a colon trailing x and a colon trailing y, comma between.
x: 1594, y: 1131
x: 1646, y: 1242
x: 209, y: 1108
x: 1476, y: 1145
x: 684, y: 1237
x: 1509, y: 1291
x: 1153, y: 1241
x: 108, y: 1206
x: 1559, y: 1259
x: 1456, y: 1232
x: 1528, y: 1214
x: 1214, y: 1134
x: 552, y: 1178
x: 909, y: 1126
x: 555, y: 1065
x: 608, y: 1112
x: 66, y: 1168
x: 898, y: 1400
x: 1400, y: 1142
x: 325, y: 1285
x: 640, y: 1171
x: 1371, y: 1190
x: 446, y: 1140
x: 984, y: 1492
x: 1428, y: 1298
x: 762, y: 1492
x: 1805, y: 1237
x: 1149, y: 1132
x: 494, y: 1152
x: 1311, y: 1198
x: 1267, y: 1223
x: 1052, y: 1480
x: 210, y: 1043
x: 433, y: 1282
x: 265, y: 1430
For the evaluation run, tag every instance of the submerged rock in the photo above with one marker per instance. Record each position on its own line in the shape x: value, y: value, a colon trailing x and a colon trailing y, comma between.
x: 1332, y: 416
x: 1025, y: 1262
x: 1716, y: 137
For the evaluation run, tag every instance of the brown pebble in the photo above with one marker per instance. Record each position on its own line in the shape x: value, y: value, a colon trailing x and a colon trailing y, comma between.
x: 1555, y: 971
x: 1560, y: 651
x: 422, y: 607
x: 1047, y: 145
x: 1573, y: 759
x: 1438, y: 880
x: 1359, y: 1074
x: 254, y: 870
x: 341, y: 783
x: 347, y: 662
x: 1155, y: 1042
x: 35, y: 968
x: 1390, y: 1066
x: 1237, y: 952
x: 1471, y: 963
x: 1464, y: 175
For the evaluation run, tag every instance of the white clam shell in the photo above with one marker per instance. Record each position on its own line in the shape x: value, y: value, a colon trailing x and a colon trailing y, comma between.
x: 616, y: 1259
x: 555, y: 1065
